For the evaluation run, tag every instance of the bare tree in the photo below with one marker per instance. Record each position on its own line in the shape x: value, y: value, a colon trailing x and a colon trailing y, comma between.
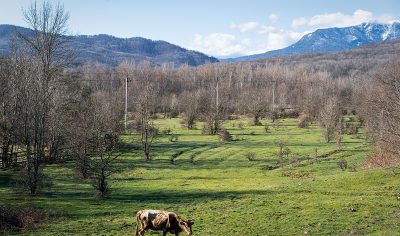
x: 144, y: 114
x: 256, y: 102
x: 380, y: 108
x: 40, y: 61
x: 104, y: 140
x: 330, y: 117
x: 190, y: 105
x: 7, y: 110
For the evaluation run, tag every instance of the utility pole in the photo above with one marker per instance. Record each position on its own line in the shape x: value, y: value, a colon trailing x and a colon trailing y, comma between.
x: 273, y: 97
x: 126, y: 102
x: 217, y: 97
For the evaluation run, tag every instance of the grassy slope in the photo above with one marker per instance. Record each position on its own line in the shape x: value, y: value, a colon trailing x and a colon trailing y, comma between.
x: 225, y: 193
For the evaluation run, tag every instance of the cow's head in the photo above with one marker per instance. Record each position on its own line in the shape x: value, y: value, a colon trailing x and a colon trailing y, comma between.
x: 186, y: 226
x: 182, y: 225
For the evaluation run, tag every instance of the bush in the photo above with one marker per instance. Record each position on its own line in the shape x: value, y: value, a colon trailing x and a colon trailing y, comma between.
x: 342, y: 164
x: 193, y: 158
x: 274, y: 116
x: 224, y: 135
x: 26, y: 181
x: 211, y: 126
x: 166, y: 131
x: 82, y: 166
x: 303, y: 121
x: 339, y: 140
x: 283, y: 150
x: 173, y: 114
x: 21, y: 218
x: 250, y: 156
x: 266, y: 128
x: 173, y: 138
x: 286, y: 151
x: 351, y: 128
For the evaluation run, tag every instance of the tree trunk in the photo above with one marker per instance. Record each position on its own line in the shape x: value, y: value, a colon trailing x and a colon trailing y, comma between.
x: 4, y: 155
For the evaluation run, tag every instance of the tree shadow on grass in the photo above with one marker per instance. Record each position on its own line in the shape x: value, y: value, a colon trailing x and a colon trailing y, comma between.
x: 6, y: 178
x: 173, y: 197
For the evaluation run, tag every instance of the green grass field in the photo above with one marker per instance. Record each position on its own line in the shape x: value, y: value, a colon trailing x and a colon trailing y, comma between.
x: 213, y: 183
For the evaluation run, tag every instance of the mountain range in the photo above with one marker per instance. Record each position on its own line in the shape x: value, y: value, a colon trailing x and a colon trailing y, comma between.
x: 110, y: 50
x: 333, y: 40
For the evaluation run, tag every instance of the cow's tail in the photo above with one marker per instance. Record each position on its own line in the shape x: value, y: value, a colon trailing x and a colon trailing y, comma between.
x: 137, y: 222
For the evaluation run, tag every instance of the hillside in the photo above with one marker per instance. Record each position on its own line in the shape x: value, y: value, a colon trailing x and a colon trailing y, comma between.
x: 110, y: 50
x: 357, y: 61
x: 334, y: 39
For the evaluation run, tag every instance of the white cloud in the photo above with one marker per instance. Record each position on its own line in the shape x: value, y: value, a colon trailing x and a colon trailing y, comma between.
x: 266, y: 29
x: 273, y: 17
x: 245, y: 26
x: 282, y: 38
x: 339, y: 19
x: 227, y: 45
x: 217, y: 44
x: 299, y: 22
x: 254, y: 37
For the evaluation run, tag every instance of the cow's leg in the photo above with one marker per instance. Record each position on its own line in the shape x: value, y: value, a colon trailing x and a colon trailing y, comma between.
x: 137, y: 230
x: 164, y: 233
x: 143, y: 229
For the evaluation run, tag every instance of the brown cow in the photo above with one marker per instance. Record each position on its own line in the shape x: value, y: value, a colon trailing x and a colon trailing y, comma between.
x: 168, y: 222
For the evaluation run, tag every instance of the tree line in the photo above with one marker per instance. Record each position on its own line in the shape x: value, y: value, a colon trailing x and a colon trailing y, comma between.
x: 52, y: 112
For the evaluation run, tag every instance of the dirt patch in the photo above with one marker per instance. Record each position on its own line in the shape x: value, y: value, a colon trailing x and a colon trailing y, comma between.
x: 296, y: 175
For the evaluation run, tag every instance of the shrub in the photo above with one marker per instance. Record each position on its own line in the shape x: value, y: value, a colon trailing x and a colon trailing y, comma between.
x: 266, y: 128
x: 211, y: 126
x: 167, y: 131
x: 351, y: 128
x: 224, y: 135
x: 342, y: 164
x: 21, y: 218
x: 282, y: 146
x: 193, y: 158
x: 339, y: 140
x: 26, y: 181
x: 173, y: 114
x: 303, y: 121
x: 102, y: 163
x: 250, y: 156
x: 173, y: 138
x: 286, y: 151
x: 353, y: 168
x: 82, y: 166
x: 274, y: 116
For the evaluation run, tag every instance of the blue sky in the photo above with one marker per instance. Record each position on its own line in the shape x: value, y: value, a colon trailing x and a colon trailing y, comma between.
x: 221, y: 28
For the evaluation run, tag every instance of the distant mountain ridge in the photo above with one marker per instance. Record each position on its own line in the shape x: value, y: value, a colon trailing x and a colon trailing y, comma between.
x: 110, y: 50
x: 333, y: 39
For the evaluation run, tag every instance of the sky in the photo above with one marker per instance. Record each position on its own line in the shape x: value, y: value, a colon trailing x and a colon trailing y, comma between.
x: 220, y: 28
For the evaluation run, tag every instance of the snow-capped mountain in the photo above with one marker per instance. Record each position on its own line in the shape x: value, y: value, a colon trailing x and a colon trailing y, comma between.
x: 335, y: 39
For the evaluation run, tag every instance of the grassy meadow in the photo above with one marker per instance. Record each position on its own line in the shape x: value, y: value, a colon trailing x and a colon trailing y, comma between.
x: 215, y: 184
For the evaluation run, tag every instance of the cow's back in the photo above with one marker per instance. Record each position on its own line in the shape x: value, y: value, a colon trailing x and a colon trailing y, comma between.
x: 155, y: 219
